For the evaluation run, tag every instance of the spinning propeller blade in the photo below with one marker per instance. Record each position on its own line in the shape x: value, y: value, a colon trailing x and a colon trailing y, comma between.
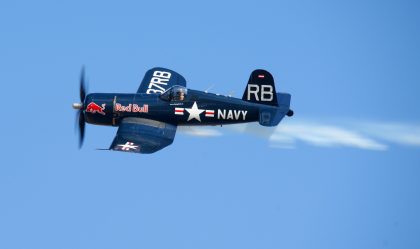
x: 82, y: 123
x: 82, y: 86
x: 80, y: 118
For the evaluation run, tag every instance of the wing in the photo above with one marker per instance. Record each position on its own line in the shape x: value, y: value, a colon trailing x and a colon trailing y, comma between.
x: 141, y: 135
x: 158, y: 80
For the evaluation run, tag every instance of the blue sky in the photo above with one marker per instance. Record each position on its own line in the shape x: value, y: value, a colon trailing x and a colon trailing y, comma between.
x: 342, y: 173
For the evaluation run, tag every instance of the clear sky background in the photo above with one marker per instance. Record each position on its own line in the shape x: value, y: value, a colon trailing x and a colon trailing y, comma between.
x: 342, y: 173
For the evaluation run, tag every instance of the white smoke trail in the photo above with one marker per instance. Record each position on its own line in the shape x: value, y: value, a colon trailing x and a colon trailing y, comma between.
x: 361, y: 134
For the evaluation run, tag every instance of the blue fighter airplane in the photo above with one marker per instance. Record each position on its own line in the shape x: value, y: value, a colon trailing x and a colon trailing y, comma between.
x: 148, y: 119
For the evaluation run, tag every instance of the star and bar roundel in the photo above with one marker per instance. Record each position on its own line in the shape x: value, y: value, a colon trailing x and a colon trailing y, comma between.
x: 194, y: 112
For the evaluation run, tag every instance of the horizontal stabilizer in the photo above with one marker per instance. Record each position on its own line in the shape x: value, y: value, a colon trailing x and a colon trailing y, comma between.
x: 271, y: 116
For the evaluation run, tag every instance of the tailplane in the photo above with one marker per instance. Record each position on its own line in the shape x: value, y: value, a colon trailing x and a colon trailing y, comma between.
x: 271, y: 116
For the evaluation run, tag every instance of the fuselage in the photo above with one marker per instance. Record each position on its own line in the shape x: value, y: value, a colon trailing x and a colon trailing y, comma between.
x: 197, y: 108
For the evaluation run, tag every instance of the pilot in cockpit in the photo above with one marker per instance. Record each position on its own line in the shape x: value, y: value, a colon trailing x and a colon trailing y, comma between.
x: 176, y: 93
x: 181, y: 96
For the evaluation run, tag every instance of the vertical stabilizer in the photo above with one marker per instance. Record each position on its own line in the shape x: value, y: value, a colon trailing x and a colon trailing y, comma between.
x: 260, y: 88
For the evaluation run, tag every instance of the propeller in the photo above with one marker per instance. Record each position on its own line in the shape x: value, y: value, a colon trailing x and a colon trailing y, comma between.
x: 80, y: 115
x: 82, y: 88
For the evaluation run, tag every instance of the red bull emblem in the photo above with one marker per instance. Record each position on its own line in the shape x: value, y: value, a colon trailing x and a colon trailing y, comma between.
x: 92, y: 107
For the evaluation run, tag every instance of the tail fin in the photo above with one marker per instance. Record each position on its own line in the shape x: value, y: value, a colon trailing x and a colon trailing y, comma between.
x: 260, y: 88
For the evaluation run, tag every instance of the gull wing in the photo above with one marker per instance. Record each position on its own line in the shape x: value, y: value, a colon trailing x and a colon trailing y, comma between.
x: 159, y: 79
x: 142, y: 135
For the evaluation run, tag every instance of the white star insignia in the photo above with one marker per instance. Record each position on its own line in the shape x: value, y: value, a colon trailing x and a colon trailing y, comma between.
x: 128, y: 146
x: 194, y: 112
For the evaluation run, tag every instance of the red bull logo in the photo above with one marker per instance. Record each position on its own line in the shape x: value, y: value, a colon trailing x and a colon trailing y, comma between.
x: 92, y: 107
x: 131, y: 108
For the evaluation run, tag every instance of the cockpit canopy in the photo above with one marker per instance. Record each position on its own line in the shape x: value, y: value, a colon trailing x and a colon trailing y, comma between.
x: 175, y: 93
